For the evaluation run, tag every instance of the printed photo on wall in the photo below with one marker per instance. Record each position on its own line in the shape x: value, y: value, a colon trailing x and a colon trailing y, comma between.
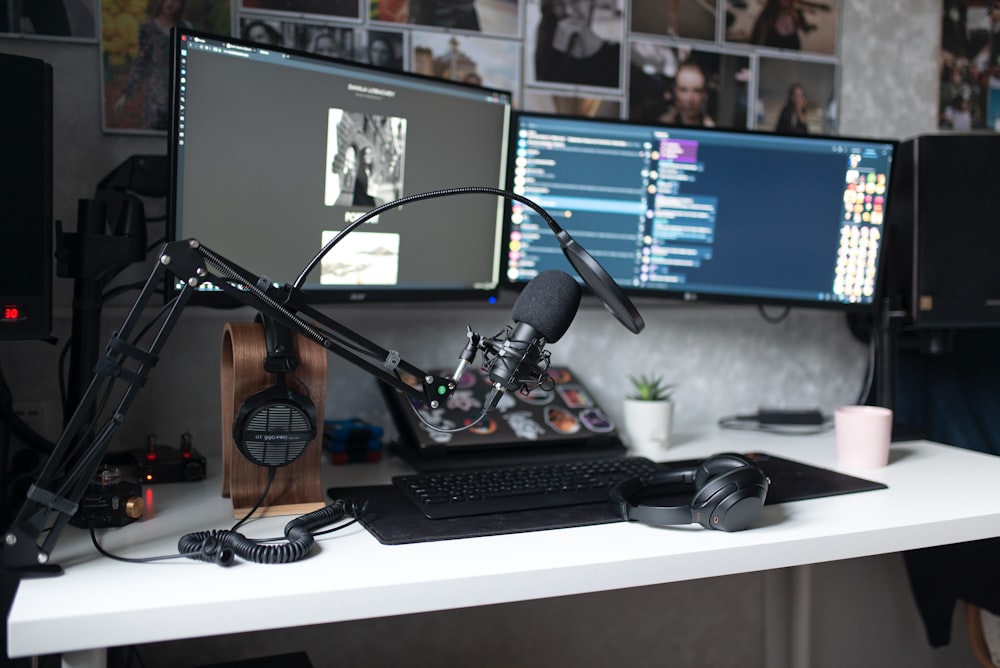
x: 266, y: 30
x: 547, y: 102
x: 481, y: 61
x: 969, y: 95
x: 327, y: 40
x: 135, y: 57
x: 318, y: 8
x: 576, y: 42
x: 490, y: 17
x: 796, y: 97
x: 74, y: 20
x: 681, y: 86
x: 384, y: 48
x: 690, y: 19
x: 808, y: 26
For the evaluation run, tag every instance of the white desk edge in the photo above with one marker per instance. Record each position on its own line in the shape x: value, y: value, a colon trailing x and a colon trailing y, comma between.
x: 937, y: 495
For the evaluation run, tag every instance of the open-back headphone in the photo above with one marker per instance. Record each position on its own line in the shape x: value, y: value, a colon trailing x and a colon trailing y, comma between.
x: 274, y: 426
x: 729, y: 492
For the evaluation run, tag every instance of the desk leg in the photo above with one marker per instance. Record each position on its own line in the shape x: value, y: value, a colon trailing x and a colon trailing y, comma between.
x: 788, y: 617
x: 800, y: 607
x: 90, y: 658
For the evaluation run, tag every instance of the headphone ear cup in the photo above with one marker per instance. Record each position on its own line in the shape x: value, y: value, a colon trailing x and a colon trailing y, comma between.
x: 730, y: 500
x: 274, y: 426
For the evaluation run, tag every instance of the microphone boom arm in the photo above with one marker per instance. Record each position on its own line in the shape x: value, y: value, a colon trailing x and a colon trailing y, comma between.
x: 54, y: 497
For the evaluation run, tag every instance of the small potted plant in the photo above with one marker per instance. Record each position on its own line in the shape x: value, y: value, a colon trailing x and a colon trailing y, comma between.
x: 649, y: 412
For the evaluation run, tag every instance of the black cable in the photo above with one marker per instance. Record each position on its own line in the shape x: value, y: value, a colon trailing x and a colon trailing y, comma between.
x: 773, y: 319
x: 271, y: 472
x: 752, y: 422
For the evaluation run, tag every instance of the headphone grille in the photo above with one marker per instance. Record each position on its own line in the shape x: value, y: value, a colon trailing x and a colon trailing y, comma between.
x: 276, y: 435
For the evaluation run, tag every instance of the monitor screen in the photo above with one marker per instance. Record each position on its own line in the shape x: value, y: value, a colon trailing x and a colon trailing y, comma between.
x: 703, y: 213
x: 275, y: 151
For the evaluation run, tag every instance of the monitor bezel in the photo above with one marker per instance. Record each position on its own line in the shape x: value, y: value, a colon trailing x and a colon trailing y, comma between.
x: 334, y: 294
x: 652, y: 295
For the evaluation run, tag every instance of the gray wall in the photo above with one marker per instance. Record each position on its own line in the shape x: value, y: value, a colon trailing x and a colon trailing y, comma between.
x: 725, y: 359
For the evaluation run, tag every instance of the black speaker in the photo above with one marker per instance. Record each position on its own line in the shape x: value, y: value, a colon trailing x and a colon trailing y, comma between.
x: 274, y: 426
x: 728, y: 493
x: 26, y: 199
x: 944, y: 234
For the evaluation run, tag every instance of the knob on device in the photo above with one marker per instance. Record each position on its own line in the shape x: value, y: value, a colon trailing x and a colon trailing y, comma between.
x: 110, y: 501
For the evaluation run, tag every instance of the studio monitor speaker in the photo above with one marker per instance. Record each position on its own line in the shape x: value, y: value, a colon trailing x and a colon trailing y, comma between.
x: 26, y: 199
x: 944, y: 231
x: 296, y: 488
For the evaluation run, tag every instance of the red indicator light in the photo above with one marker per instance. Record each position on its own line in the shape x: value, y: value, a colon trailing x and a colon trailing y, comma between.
x: 12, y: 313
x: 151, y: 456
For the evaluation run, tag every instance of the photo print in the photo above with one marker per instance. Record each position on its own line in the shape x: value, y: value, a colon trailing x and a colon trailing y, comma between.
x: 54, y: 19
x: 796, y: 97
x: 690, y: 19
x: 490, y: 17
x: 383, y: 48
x: 545, y: 101
x: 682, y: 86
x: 809, y: 26
x: 969, y: 94
x: 574, y: 42
x: 482, y: 61
x: 319, y: 8
x: 135, y: 57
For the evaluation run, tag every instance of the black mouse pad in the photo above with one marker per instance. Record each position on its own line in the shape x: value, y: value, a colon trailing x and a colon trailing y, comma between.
x: 393, y: 520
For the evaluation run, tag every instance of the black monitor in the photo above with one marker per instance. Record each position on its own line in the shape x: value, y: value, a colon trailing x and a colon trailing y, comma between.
x: 704, y: 214
x: 273, y: 151
x: 26, y: 199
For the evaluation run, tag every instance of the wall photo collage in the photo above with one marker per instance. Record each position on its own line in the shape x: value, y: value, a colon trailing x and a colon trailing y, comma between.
x: 757, y: 64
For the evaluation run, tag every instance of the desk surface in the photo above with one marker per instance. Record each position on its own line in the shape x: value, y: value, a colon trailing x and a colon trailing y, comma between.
x: 937, y: 495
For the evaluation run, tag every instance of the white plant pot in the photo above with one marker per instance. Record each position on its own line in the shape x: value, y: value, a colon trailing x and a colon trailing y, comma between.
x: 647, y: 427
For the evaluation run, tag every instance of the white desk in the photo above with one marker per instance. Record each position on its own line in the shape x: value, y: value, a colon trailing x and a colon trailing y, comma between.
x: 99, y: 603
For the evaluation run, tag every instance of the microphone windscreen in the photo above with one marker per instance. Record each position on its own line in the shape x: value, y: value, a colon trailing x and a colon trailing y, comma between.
x: 548, y: 303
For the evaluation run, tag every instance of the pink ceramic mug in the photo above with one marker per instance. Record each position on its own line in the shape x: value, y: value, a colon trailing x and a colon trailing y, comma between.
x: 863, y: 435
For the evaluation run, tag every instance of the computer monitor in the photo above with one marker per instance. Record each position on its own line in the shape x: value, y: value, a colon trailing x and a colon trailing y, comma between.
x: 273, y: 151
x: 704, y: 214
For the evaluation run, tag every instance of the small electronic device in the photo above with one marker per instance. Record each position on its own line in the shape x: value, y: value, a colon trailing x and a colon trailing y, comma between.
x: 274, y: 152
x: 111, y: 500
x: 704, y: 214
x: 162, y: 463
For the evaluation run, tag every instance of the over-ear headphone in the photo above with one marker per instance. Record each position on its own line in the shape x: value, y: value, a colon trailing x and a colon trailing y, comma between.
x: 729, y: 492
x: 274, y: 426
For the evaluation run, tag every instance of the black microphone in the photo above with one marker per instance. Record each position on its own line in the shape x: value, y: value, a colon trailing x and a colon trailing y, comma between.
x: 542, y: 313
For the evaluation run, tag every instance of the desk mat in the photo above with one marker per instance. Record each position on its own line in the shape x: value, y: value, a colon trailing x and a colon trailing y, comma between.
x: 393, y: 520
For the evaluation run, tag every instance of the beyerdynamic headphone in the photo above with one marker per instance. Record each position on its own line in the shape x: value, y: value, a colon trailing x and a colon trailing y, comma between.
x: 729, y: 492
x: 274, y: 426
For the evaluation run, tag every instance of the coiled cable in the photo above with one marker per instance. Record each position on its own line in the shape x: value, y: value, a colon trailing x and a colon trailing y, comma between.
x: 222, y: 545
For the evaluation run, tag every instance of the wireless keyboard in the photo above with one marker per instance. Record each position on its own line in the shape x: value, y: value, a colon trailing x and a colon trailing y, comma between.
x: 498, y: 489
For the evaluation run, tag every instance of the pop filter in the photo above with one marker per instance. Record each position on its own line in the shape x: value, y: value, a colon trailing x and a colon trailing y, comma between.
x: 599, y: 281
x: 594, y: 276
